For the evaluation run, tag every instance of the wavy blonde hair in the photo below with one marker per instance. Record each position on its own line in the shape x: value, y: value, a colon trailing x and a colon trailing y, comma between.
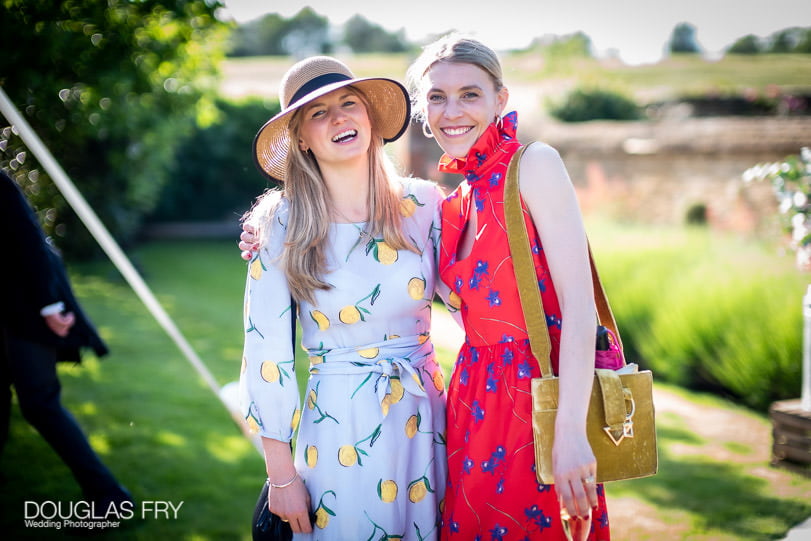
x: 303, y: 258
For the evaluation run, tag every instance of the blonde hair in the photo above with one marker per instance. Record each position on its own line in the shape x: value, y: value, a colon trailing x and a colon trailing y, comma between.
x: 456, y: 49
x: 303, y: 258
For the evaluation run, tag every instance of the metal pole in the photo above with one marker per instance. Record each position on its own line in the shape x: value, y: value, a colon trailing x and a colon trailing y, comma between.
x: 103, y: 237
x: 805, y: 401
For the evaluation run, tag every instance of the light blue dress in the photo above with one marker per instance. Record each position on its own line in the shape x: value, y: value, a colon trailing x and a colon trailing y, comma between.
x: 371, y: 441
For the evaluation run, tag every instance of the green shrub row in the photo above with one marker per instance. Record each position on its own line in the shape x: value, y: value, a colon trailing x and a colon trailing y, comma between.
x: 705, y: 310
x: 583, y: 104
x: 214, y: 176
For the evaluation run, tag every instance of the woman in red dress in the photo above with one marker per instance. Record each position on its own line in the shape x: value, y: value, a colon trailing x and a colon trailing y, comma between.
x: 492, y: 489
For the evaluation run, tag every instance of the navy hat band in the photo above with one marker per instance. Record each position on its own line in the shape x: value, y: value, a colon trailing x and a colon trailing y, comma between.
x: 314, y: 84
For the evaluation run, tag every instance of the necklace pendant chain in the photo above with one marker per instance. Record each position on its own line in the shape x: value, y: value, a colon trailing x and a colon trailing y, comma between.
x: 362, y: 233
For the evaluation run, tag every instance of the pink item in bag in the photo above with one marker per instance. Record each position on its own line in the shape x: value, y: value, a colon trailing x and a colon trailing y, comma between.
x: 608, y: 353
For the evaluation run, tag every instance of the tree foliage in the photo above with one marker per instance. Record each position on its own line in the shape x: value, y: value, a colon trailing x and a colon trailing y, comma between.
x: 794, y: 40
x: 111, y: 88
x: 749, y: 44
x: 790, y: 40
x: 259, y: 37
x: 306, y: 33
x: 363, y: 36
x: 683, y: 40
x: 573, y: 45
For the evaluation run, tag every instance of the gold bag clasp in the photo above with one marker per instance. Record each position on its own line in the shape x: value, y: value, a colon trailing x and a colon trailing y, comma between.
x: 627, y: 425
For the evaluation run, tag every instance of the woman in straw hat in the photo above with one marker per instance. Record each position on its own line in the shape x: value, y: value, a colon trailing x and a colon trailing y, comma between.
x: 350, y: 247
x: 492, y: 487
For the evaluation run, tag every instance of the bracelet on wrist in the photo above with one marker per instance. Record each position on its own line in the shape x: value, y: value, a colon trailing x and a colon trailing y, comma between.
x: 283, y: 485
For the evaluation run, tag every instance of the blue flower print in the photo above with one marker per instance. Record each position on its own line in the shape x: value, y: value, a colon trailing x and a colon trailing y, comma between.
x: 475, y: 281
x: 507, y: 356
x: 602, y: 519
x: 477, y: 411
x: 481, y: 267
x: 542, y: 284
x: 454, y: 526
x: 496, y: 459
x: 500, y: 486
x: 543, y: 488
x: 488, y: 467
x: 471, y: 176
x: 474, y: 356
x: 493, y: 298
x: 457, y: 284
x: 510, y: 121
x: 524, y: 370
x: 464, y: 376
x: 478, y: 199
x: 467, y: 465
x: 498, y: 532
x: 495, y: 178
x: 537, y: 516
x: 553, y: 320
x: 481, y: 157
x: 536, y: 249
x: 491, y: 385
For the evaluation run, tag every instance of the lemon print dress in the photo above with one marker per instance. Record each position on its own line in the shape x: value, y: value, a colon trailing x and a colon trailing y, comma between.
x: 371, y: 440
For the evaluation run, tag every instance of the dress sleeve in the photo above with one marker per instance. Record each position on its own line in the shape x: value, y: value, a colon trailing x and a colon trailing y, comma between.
x: 441, y: 288
x: 268, y: 388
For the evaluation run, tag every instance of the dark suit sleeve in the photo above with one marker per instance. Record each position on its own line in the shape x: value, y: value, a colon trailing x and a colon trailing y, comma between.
x: 28, y: 277
x: 33, y: 277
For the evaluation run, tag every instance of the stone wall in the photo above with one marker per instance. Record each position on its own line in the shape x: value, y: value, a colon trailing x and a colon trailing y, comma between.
x: 654, y: 172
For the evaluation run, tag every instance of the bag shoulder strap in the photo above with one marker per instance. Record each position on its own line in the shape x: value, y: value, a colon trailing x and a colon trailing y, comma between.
x: 527, y: 279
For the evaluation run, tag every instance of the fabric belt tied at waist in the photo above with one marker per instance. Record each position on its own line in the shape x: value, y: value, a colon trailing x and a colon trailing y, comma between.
x: 401, y: 357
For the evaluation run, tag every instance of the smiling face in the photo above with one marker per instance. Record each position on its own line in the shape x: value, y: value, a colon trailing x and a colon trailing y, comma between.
x: 335, y: 127
x: 461, y: 102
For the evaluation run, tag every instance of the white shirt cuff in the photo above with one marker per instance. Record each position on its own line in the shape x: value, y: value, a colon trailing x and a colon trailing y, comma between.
x: 52, y: 309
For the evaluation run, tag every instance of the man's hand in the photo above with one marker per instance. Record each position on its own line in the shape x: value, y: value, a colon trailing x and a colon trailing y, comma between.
x: 60, y: 323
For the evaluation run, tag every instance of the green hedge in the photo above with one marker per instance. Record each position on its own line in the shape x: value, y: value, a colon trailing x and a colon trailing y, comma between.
x: 214, y: 176
x: 583, y: 104
x: 705, y: 310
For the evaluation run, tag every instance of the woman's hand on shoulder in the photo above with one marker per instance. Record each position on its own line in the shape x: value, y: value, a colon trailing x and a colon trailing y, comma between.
x: 248, y: 241
x: 270, y: 210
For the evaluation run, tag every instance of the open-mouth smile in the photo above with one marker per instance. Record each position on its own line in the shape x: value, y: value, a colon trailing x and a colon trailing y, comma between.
x: 453, y: 132
x: 345, y: 136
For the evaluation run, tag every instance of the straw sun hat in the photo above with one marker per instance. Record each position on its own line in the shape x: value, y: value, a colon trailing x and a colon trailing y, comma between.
x: 312, y: 78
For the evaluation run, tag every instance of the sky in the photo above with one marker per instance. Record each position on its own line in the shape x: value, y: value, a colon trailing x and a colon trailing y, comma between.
x: 636, y: 30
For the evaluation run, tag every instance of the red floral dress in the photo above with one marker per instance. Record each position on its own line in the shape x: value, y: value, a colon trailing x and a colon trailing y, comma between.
x: 492, y: 490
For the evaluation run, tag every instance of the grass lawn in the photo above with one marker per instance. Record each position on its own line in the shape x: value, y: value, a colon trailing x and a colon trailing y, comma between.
x: 168, y: 438
x: 151, y: 418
